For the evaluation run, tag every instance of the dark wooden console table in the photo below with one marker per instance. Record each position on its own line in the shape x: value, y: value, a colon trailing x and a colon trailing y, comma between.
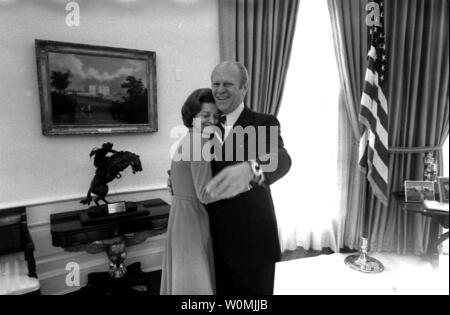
x: 438, y: 219
x: 113, y: 236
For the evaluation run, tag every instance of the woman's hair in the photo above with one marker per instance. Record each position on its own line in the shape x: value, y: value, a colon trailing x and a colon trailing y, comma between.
x: 193, y: 105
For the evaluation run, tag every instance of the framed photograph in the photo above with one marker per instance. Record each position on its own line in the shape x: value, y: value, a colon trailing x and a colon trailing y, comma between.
x: 87, y: 89
x: 443, y: 189
x: 418, y: 191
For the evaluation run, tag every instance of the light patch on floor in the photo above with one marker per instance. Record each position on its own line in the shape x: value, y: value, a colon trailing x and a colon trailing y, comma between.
x: 328, y: 275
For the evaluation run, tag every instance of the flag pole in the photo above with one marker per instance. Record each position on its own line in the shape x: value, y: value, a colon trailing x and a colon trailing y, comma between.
x: 363, y: 262
x: 370, y: 109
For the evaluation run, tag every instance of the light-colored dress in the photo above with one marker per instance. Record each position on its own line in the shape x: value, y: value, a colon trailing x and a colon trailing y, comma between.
x: 188, y: 264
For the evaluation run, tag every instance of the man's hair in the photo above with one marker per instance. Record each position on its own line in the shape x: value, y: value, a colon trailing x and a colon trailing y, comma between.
x: 243, y: 73
x: 193, y: 105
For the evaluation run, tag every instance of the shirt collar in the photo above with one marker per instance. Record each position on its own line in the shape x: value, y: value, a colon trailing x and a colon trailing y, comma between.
x: 234, y: 115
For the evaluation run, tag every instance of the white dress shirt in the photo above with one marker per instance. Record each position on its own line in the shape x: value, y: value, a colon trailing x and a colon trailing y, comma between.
x: 231, y: 119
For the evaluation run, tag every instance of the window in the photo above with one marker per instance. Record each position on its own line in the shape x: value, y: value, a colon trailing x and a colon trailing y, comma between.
x: 306, y: 198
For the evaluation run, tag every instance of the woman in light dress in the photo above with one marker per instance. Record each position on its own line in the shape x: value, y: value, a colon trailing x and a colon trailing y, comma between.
x: 188, y: 264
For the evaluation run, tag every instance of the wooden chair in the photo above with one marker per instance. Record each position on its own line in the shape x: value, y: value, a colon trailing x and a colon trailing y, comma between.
x: 17, y: 263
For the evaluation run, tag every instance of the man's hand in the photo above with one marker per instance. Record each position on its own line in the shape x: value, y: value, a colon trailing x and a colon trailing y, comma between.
x: 231, y: 181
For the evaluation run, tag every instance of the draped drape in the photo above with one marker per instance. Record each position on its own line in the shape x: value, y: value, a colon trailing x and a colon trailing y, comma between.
x: 350, y: 41
x: 308, y: 216
x: 417, y: 93
x: 259, y: 34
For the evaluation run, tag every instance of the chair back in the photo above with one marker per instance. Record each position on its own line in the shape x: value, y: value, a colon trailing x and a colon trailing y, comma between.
x: 15, y: 236
x: 12, y: 225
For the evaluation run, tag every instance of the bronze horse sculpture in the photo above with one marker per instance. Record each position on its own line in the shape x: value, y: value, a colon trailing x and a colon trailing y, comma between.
x: 108, y: 169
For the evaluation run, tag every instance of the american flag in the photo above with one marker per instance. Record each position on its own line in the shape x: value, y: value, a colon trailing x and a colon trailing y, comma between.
x: 373, y: 153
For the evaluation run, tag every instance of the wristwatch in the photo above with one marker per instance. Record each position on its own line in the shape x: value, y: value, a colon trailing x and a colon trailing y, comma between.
x: 256, y: 170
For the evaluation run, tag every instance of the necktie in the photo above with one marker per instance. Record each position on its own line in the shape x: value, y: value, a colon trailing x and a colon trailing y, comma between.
x: 222, y: 121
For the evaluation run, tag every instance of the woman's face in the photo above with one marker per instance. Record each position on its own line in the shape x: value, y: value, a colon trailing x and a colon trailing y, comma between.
x: 208, y: 116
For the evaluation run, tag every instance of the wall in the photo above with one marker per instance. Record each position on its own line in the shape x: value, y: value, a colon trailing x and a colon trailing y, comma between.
x: 51, y: 174
x: 36, y: 169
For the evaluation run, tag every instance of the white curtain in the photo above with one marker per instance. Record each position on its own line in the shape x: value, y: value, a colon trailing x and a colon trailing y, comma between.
x: 307, y: 199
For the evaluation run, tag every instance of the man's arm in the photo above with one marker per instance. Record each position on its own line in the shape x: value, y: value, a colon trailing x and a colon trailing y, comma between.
x: 275, y: 164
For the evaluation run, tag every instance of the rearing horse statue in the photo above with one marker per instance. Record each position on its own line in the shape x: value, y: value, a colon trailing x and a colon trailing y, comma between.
x: 108, y: 169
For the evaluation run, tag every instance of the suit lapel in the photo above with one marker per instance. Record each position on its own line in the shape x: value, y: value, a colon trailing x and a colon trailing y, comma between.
x: 244, y: 120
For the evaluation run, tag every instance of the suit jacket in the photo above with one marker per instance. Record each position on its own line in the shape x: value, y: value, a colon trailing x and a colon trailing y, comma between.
x: 244, y: 228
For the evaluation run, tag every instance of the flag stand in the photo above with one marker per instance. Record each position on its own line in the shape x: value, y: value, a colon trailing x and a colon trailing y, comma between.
x: 363, y: 262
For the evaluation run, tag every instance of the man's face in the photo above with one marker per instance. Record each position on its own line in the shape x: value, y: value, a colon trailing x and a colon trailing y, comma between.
x: 226, y: 87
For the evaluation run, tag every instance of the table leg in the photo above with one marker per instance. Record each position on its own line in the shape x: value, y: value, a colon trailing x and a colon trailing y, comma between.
x: 117, y: 254
x: 432, y: 251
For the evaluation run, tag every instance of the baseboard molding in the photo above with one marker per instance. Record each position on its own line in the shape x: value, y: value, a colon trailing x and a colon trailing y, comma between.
x: 101, y: 261
x: 54, y: 282
x: 52, y: 261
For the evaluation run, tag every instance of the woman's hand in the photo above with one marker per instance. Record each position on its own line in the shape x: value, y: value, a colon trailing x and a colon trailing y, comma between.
x: 169, y: 183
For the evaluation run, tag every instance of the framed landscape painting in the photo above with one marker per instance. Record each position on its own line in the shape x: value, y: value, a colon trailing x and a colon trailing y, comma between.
x: 418, y: 191
x: 87, y: 89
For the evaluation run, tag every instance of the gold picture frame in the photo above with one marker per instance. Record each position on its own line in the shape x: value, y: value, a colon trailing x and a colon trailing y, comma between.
x: 87, y: 89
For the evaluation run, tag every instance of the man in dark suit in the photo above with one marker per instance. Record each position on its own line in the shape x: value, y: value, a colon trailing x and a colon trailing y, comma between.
x: 244, y: 228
